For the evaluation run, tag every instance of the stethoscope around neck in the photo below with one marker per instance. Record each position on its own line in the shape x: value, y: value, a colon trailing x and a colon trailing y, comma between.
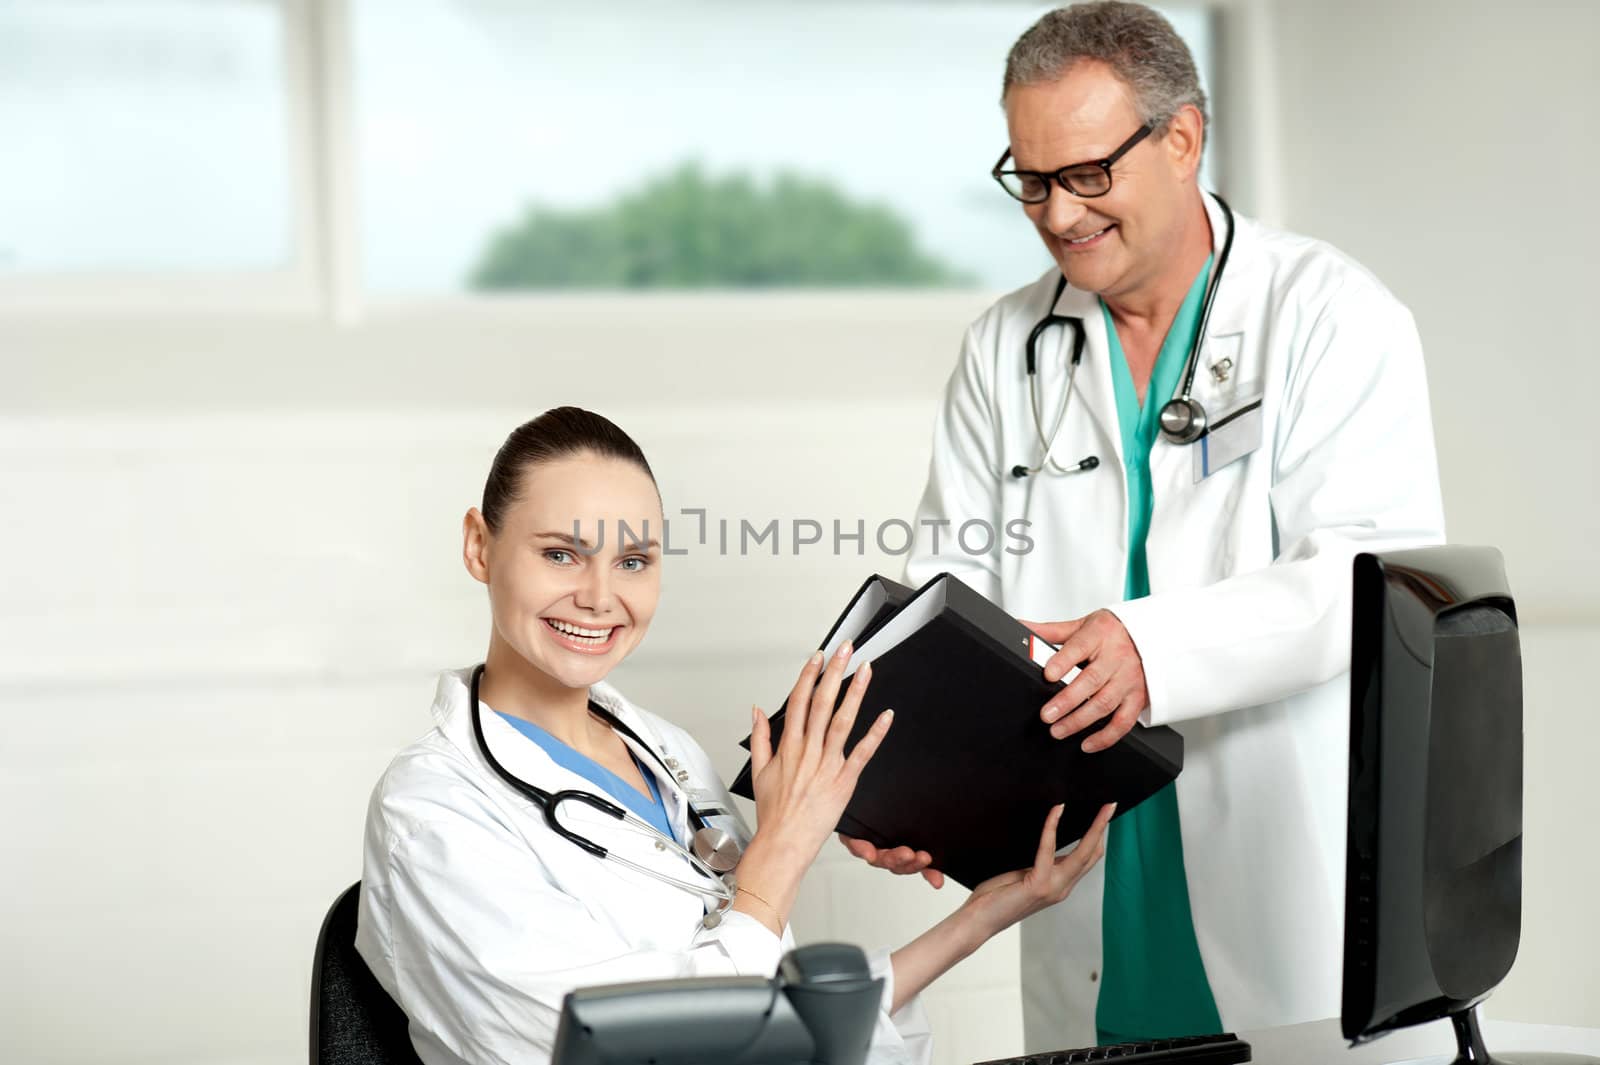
x: 714, y: 854
x: 1183, y: 419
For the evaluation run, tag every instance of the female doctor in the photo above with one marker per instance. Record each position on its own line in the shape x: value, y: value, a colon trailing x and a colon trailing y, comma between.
x: 479, y: 912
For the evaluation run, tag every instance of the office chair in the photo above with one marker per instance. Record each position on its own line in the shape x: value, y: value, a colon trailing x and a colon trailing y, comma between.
x: 353, y: 1020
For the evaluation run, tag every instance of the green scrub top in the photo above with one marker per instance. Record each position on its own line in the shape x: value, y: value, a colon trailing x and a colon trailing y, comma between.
x: 1153, y: 983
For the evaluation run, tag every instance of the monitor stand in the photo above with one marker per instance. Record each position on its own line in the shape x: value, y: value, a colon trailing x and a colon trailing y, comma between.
x: 1471, y: 1051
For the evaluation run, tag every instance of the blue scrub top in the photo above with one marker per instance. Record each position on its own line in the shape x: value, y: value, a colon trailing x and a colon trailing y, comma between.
x: 651, y: 809
x: 1153, y: 982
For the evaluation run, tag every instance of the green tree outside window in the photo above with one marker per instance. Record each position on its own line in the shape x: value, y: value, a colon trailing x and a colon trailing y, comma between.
x: 685, y: 229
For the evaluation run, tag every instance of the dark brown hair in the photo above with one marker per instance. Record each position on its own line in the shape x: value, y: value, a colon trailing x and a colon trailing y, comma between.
x: 558, y: 433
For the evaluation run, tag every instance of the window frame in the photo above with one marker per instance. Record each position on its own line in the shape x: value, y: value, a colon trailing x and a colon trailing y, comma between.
x: 324, y: 277
x: 318, y: 276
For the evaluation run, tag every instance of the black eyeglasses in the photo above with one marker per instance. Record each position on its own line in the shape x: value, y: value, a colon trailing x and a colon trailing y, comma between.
x: 1081, y: 179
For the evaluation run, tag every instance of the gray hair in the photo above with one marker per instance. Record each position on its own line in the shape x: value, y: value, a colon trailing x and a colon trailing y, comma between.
x: 1139, y: 45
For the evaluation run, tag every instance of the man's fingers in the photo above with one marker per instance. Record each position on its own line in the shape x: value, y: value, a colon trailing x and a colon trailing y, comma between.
x: 898, y: 860
x: 1081, y: 647
x: 760, y: 742
x: 1054, y: 631
x: 904, y: 861
x: 1101, y: 704
x: 1063, y: 664
x: 860, y: 848
x: 1095, y: 675
x: 1121, y: 723
x: 901, y: 861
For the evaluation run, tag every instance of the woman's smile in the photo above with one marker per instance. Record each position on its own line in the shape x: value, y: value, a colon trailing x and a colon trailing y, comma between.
x: 584, y: 639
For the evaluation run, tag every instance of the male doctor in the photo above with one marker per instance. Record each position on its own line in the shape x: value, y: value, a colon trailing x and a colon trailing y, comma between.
x: 1205, y: 584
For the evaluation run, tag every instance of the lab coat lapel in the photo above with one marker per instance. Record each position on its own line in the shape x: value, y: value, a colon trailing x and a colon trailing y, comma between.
x: 1221, y: 356
x: 1094, y: 388
x: 525, y: 759
x: 1228, y: 373
x: 606, y: 887
x: 670, y: 776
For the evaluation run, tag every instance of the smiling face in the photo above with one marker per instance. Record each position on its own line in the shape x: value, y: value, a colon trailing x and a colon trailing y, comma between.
x: 1116, y: 245
x: 571, y: 610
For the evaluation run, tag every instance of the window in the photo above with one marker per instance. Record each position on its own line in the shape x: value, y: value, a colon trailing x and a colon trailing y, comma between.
x: 201, y: 149
x: 721, y: 142
x: 143, y: 137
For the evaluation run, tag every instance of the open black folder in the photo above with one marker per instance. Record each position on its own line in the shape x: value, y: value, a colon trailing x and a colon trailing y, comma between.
x: 969, y: 771
x: 874, y: 603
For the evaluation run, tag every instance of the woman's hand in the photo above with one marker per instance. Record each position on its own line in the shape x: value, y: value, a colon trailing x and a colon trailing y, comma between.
x: 802, y: 787
x: 1002, y: 901
x: 997, y: 904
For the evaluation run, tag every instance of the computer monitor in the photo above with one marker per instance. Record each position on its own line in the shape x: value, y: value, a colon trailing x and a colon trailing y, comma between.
x: 1433, y: 888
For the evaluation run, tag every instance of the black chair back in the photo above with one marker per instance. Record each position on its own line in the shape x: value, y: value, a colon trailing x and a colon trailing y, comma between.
x: 353, y: 1019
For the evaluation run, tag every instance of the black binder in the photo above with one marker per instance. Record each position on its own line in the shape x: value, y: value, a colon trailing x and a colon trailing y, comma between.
x: 875, y: 602
x: 969, y: 771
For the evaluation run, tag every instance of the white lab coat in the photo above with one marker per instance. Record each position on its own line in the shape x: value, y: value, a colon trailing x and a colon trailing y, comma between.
x: 478, y: 919
x: 1246, y: 635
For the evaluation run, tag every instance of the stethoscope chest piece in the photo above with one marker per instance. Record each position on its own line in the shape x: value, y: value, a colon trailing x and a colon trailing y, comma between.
x: 1183, y: 420
x: 719, y: 849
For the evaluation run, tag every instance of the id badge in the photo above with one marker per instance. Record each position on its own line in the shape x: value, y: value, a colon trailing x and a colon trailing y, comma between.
x: 706, y: 802
x: 1235, y: 434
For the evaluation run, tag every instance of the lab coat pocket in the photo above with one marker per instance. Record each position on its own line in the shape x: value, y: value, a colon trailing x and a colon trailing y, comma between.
x: 1233, y: 434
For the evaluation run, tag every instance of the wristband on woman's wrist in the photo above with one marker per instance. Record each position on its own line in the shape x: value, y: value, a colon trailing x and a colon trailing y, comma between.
x: 742, y: 890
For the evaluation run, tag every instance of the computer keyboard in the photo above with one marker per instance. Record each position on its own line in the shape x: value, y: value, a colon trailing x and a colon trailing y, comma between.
x: 1225, y: 1049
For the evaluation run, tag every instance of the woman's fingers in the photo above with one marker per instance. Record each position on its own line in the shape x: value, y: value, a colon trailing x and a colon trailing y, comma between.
x: 1101, y: 820
x: 844, y: 719
x: 867, y: 747
x: 794, y: 723
x: 1044, y: 859
x: 760, y: 742
x: 1090, y: 848
x: 823, y: 698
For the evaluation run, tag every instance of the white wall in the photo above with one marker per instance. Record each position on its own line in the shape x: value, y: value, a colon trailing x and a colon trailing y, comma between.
x: 1451, y: 147
x: 230, y: 562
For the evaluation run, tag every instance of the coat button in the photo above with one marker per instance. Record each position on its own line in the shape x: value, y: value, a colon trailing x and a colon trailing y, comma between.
x: 672, y: 763
x: 661, y: 845
x: 683, y: 778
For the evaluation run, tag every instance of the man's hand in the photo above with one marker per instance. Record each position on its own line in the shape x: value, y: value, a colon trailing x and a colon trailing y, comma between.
x: 899, y: 860
x: 1111, y: 683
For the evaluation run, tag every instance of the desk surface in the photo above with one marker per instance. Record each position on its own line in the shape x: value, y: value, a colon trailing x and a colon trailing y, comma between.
x: 1319, y: 1043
